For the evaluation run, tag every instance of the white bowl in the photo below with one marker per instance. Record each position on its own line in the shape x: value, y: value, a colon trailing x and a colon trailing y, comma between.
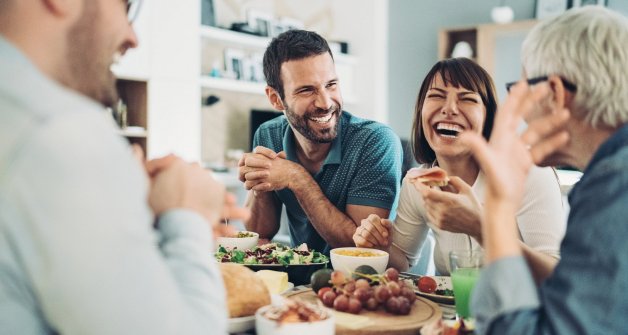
x: 242, y: 243
x: 265, y: 326
x: 348, y: 264
x: 240, y: 325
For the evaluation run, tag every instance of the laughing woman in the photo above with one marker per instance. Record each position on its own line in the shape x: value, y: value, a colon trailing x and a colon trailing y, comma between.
x: 458, y: 95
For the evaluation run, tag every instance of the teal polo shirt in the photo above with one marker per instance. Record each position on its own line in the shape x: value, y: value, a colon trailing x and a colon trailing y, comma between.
x: 363, y: 167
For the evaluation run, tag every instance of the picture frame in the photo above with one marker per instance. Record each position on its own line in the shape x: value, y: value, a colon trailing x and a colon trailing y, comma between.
x: 260, y: 21
x: 580, y: 3
x: 550, y: 8
x: 234, y: 63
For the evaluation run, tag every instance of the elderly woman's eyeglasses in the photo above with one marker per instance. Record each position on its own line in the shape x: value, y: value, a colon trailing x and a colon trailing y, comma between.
x: 568, y: 85
x: 133, y: 9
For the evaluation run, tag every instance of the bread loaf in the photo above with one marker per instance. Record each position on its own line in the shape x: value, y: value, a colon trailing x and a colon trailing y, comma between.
x: 245, y: 291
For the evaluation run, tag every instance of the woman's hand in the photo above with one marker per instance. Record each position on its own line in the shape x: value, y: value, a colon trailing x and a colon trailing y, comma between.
x: 456, y: 210
x: 373, y: 232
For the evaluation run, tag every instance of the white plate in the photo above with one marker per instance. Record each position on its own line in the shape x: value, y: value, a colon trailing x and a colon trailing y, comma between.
x: 243, y: 324
x: 246, y: 323
x: 442, y: 283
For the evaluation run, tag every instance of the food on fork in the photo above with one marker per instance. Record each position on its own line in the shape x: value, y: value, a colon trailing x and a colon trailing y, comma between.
x: 434, y: 176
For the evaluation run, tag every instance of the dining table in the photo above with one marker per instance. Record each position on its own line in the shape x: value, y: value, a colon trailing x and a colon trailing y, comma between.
x: 423, y: 312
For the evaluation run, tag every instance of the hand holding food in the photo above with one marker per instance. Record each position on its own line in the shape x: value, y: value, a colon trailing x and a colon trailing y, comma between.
x: 457, y: 212
x: 434, y: 176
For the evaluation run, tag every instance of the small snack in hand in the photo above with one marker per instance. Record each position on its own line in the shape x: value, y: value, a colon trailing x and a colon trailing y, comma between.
x: 431, y: 177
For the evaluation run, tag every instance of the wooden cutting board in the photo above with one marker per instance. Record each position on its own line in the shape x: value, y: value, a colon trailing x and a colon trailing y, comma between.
x: 379, y: 322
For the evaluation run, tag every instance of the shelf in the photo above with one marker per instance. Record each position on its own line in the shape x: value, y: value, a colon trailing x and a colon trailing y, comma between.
x: 258, y: 42
x: 133, y: 132
x: 233, y: 85
x: 115, y: 68
x: 234, y: 37
x: 134, y: 93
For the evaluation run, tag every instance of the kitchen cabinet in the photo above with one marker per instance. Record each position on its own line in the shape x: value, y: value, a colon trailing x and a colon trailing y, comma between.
x: 133, y: 93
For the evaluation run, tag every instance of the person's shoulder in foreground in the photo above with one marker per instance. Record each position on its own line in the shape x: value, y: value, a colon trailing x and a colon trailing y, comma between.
x: 78, y: 253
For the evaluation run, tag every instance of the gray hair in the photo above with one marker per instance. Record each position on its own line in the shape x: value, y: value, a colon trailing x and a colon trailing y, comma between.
x: 587, y: 46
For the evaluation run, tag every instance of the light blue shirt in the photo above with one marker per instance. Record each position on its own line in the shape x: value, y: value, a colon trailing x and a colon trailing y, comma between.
x: 586, y: 293
x: 78, y: 252
x: 363, y: 167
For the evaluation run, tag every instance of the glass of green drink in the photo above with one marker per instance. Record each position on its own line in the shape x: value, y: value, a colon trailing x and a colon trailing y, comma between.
x: 465, y: 271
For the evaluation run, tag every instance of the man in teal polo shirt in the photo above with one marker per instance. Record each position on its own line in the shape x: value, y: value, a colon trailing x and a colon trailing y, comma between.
x: 329, y: 168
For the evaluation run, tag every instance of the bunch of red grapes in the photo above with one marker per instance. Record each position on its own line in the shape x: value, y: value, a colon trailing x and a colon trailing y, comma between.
x: 371, y: 292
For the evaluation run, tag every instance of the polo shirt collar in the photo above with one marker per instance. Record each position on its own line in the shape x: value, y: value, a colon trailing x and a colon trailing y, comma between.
x: 615, y: 142
x: 334, y: 156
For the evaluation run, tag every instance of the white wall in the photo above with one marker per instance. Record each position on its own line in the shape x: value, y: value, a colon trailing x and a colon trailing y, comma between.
x: 413, y: 43
x: 168, y: 58
x: 365, y: 24
x: 174, y: 121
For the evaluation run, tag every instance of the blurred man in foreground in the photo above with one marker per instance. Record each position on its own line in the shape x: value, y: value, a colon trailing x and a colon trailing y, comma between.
x: 78, y: 252
x: 576, y: 102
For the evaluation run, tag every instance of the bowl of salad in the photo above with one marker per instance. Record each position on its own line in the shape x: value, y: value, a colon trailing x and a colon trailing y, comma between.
x: 299, y: 263
x: 242, y: 240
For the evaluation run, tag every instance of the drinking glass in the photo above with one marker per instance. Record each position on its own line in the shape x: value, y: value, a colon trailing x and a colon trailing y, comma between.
x: 465, y: 270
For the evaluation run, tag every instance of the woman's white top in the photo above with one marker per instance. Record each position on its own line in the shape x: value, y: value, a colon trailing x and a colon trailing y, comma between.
x: 541, y: 220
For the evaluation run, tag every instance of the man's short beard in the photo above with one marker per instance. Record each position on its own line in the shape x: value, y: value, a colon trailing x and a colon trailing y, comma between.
x: 89, y: 64
x: 300, y: 124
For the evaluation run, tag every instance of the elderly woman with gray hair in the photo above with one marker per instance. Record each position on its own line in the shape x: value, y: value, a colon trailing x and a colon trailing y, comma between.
x: 576, y: 102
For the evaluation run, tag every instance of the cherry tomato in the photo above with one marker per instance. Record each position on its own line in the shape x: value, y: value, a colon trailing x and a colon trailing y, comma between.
x: 426, y: 284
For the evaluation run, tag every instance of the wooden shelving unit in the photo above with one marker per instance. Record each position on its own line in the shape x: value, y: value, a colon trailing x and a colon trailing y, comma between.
x: 496, y: 47
x: 482, y: 39
x: 134, y: 94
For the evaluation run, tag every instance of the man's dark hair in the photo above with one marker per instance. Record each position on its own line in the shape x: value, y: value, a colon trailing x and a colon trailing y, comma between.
x: 290, y: 45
